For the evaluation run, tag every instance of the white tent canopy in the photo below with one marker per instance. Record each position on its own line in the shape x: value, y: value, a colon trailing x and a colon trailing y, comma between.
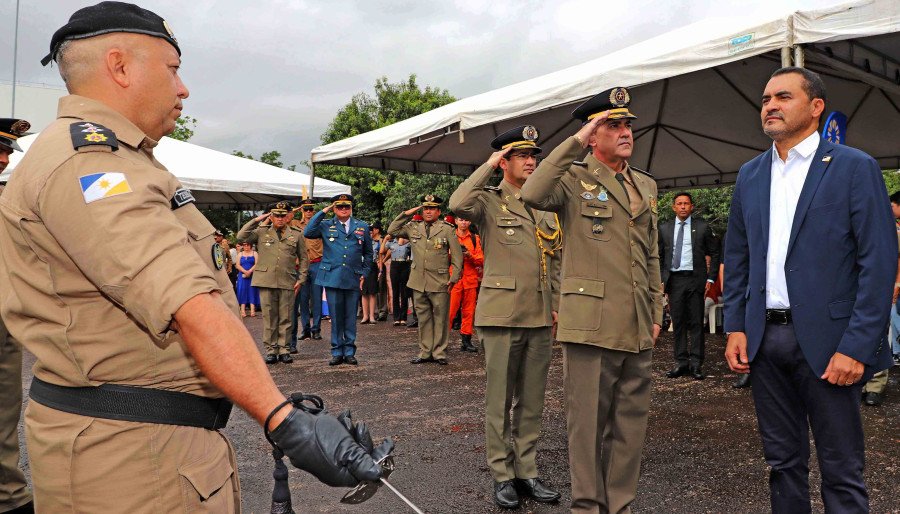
x: 220, y: 180
x: 695, y: 91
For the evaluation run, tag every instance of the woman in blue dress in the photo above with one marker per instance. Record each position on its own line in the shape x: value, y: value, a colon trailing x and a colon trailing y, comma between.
x: 246, y: 293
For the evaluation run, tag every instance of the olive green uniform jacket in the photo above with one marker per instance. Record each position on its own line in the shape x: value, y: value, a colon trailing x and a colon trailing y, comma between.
x: 515, y: 291
x: 278, y: 256
x: 432, y: 253
x: 611, y: 289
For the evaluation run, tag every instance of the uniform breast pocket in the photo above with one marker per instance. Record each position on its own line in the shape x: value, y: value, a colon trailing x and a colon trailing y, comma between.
x: 596, y: 218
x: 511, y: 230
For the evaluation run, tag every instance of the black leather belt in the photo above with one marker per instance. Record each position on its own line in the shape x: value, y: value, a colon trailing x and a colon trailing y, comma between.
x: 779, y: 316
x: 681, y: 273
x: 137, y: 404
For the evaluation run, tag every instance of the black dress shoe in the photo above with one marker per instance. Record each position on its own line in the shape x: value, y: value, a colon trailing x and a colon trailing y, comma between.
x: 293, y: 350
x: 442, y: 362
x: 305, y: 335
x: 285, y: 358
x: 419, y: 360
x: 742, y: 382
x: 317, y: 335
x: 351, y: 360
x: 537, y: 490
x: 697, y: 373
x: 680, y: 371
x: 336, y: 360
x: 872, y: 399
x: 271, y: 359
x: 414, y: 324
x: 505, y: 494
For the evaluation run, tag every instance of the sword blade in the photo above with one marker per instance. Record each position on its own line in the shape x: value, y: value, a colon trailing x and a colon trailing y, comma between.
x: 400, y: 495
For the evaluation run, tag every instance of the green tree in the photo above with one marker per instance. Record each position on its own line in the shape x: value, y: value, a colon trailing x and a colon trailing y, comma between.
x: 272, y: 158
x: 184, y: 128
x: 381, y: 195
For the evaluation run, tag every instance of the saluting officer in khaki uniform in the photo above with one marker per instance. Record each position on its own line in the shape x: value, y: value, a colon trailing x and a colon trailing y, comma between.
x: 226, y: 249
x: 111, y: 277
x: 611, y: 305
x: 280, y: 246
x: 434, y: 249
x: 516, y: 309
x: 15, y: 497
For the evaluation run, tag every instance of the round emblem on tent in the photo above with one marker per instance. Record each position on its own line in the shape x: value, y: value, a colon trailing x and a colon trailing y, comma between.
x: 218, y: 256
x: 835, y: 129
x: 530, y: 133
x: 619, y: 97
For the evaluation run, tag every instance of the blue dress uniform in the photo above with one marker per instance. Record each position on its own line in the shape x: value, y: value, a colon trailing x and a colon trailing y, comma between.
x: 346, y: 257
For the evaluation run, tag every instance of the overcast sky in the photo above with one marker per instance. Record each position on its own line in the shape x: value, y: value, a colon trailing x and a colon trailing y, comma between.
x: 271, y: 74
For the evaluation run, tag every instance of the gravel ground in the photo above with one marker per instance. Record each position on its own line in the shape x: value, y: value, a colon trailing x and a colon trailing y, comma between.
x: 702, y: 452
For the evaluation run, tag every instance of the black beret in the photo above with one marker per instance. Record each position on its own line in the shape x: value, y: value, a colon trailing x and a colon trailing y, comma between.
x: 523, y: 136
x: 342, y: 199
x: 108, y: 17
x: 615, y: 100
x: 12, y: 129
x: 431, y: 201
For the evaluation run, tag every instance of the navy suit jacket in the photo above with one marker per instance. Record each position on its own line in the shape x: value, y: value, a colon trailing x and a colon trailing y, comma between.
x: 345, y: 256
x: 841, y: 258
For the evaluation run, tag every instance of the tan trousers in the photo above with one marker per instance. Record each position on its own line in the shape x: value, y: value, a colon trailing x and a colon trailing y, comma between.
x: 877, y: 383
x: 276, y: 312
x: 13, y: 489
x: 88, y: 465
x: 607, y: 399
x: 517, y: 361
x: 432, y: 309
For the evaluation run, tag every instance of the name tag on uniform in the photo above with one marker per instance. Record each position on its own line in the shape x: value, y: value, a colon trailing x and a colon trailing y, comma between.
x: 182, y: 197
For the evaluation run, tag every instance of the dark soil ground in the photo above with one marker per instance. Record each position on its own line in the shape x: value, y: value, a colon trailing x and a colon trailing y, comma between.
x: 702, y: 453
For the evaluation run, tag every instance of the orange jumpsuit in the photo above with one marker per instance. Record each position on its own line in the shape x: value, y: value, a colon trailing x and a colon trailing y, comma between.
x: 465, y: 291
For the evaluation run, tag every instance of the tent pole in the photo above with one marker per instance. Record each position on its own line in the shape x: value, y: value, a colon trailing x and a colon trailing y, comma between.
x: 785, y: 57
x: 312, y: 178
x: 799, y: 60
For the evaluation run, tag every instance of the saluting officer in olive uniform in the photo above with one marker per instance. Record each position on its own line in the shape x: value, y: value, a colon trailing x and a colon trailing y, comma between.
x: 434, y: 249
x: 516, y: 308
x: 280, y: 246
x: 14, y: 494
x: 611, y: 305
x: 111, y: 278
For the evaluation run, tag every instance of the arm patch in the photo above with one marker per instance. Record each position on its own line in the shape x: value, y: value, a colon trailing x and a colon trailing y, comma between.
x: 85, y: 133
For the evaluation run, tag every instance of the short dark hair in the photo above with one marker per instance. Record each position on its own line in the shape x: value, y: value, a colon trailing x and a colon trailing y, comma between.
x: 895, y: 198
x: 812, y: 82
x: 682, y: 193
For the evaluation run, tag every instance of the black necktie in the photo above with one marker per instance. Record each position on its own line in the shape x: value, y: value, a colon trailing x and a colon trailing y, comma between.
x: 679, y: 241
x: 621, y: 178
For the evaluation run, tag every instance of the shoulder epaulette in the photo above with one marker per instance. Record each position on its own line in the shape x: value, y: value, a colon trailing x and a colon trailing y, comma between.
x: 85, y: 133
x: 579, y: 163
x: 645, y: 172
x: 449, y: 224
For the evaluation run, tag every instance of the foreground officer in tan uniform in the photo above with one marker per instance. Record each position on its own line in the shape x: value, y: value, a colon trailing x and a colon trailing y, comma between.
x: 15, y: 497
x: 280, y: 246
x: 434, y: 249
x: 611, y: 306
x: 516, y: 309
x: 112, y: 279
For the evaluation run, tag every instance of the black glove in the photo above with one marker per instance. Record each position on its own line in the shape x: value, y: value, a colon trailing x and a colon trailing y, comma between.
x: 324, y: 446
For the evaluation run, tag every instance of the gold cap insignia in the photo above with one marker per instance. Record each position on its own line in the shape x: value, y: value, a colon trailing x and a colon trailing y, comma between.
x: 20, y: 127
x: 619, y: 97
x: 530, y: 133
x: 429, y: 198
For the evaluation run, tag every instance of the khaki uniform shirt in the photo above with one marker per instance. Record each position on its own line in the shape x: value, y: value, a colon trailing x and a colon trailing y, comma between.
x: 516, y: 290
x: 97, y: 260
x: 226, y: 249
x: 611, y: 290
x: 313, y: 245
x: 278, y: 255
x: 434, y: 250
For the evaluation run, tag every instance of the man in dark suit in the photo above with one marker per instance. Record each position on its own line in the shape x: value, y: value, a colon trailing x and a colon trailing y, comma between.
x: 684, y: 244
x: 810, y: 257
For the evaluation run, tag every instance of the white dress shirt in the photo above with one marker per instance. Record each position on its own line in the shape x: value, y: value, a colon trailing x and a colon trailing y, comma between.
x: 687, y: 249
x: 788, y: 178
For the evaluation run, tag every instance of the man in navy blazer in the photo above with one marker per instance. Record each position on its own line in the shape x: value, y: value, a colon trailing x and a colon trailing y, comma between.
x: 810, y: 259
x: 346, y: 258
